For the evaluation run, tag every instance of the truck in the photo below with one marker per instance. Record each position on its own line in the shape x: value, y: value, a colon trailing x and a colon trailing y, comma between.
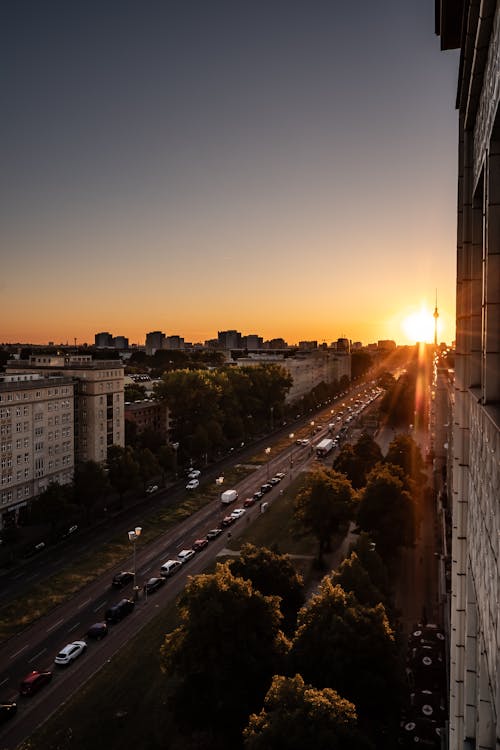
x: 324, y: 447
x: 229, y: 496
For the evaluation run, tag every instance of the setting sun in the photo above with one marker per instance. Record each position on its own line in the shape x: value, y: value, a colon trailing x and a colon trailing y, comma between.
x: 419, y: 326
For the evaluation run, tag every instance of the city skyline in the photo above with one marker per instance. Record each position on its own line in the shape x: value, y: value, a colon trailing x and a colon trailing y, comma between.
x: 291, y: 172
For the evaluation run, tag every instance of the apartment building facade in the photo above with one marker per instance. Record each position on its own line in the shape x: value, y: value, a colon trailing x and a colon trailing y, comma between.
x: 99, y: 420
x: 36, y: 437
x: 474, y: 28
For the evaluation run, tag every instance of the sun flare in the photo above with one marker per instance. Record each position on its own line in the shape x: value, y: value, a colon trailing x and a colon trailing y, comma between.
x: 419, y: 326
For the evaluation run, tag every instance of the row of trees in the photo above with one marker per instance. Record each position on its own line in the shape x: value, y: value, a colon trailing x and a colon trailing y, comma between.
x: 250, y: 660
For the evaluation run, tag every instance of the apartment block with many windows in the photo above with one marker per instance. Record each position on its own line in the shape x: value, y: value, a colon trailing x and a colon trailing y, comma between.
x: 36, y: 437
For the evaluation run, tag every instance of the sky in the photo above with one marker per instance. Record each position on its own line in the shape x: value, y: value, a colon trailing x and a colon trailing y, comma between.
x: 278, y: 167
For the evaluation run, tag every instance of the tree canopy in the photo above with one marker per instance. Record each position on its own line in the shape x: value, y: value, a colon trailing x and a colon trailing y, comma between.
x: 356, y: 461
x: 386, y: 510
x: 325, y: 502
x: 220, y: 660
x: 272, y: 573
x: 349, y: 647
x: 297, y: 716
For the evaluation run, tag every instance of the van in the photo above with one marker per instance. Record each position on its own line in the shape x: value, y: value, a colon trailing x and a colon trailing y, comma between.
x: 169, y: 568
x: 264, y: 507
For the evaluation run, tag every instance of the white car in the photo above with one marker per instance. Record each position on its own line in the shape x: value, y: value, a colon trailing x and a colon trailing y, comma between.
x: 185, y: 555
x: 152, y: 489
x: 192, y: 484
x: 70, y: 652
x: 194, y: 474
x: 237, y: 513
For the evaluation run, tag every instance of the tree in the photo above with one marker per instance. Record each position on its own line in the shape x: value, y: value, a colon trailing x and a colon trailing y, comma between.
x: 123, y: 469
x: 166, y: 460
x: 386, y: 511
x: 321, y: 507
x: 403, y: 451
x: 220, y: 660
x: 147, y: 465
x: 90, y: 486
x: 297, y: 716
x: 353, y: 577
x: 53, y: 506
x: 349, y: 647
x: 272, y: 574
x: 356, y: 461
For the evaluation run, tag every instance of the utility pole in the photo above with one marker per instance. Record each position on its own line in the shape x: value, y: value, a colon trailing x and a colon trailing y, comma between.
x: 436, y: 316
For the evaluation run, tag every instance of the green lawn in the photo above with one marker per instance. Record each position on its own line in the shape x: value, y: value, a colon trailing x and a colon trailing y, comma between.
x: 124, y: 705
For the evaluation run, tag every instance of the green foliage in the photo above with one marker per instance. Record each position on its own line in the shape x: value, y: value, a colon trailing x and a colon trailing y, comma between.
x: 297, y: 716
x: 54, y: 506
x: 360, y: 363
x: 148, y: 466
x: 322, y: 506
x: 272, y: 574
x: 386, y: 510
x: 404, y: 452
x: 90, y: 485
x: 356, y: 461
x: 135, y: 392
x: 349, y: 647
x: 372, y: 562
x: 220, y: 661
x: 123, y: 469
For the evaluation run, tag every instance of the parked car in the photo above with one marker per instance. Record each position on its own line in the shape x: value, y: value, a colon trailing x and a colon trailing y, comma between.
x: 34, y: 681
x: 121, y: 579
x: 192, y: 484
x: 69, y: 653
x: 227, y: 521
x: 194, y: 474
x: 258, y: 495
x: 153, y: 488
x: 280, y: 474
x: 97, y: 631
x: 266, y: 487
x: 200, y: 544
x: 153, y: 585
x: 185, y: 555
x: 238, y: 512
x: 118, y: 611
x: 248, y: 502
x: 7, y: 711
x: 274, y: 480
x: 213, y: 534
x: 169, y: 568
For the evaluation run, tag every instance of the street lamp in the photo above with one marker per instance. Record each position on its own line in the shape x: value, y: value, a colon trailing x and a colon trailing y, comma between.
x: 175, y: 446
x: 133, y: 536
x: 291, y: 436
x: 267, y: 452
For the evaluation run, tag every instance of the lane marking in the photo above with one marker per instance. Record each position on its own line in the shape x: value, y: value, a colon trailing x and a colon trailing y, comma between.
x: 4, y: 681
x: 99, y: 606
x: 37, y: 655
x: 145, y: 570
x: 55, y: 625
x: 32, y: 578
x: 83, y: 604
x: 73, y: 628
x: 13, y: 656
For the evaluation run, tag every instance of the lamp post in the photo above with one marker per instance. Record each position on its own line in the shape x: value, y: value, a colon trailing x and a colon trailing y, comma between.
x: 267, y: 452
x: 175, y: 446
x: 133, y: 536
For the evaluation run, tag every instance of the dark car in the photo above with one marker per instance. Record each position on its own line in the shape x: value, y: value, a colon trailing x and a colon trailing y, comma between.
x: 199, y: 544
x: 266, y: 487
x: 34, y: 681
x: 98, y: 630
x: 248, y: 502
x: 258, y: 495
x: 153, y: 585
x: 118, y: 611
x: 7, y: 711
x: 121, y: 579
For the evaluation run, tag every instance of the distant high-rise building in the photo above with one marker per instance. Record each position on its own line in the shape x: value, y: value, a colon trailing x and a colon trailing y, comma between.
x: 276, y: 344
x: 173, y: 342
x: 307, y: 345
x: 120, y: 342
x: 252, y: 341
x: 386, y: 344
x: 103, y: 340
x: 154, y: 341
x: 229, y: 339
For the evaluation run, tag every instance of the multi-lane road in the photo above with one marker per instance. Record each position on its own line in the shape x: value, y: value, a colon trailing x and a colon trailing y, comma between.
x: 36, y: 647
